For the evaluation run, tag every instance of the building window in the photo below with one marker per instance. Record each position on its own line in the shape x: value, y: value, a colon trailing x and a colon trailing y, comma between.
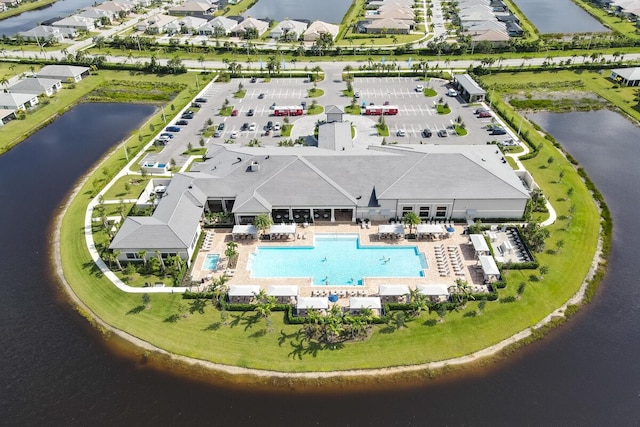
x: 131, y: 255
x: 441, y: 212
x: 424, y: 212
x: 406, y: 210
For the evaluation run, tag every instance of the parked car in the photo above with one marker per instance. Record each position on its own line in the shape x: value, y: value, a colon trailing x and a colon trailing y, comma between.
x: 276, y: 126
x: 261, y: 96
x: 251, y: 112
x: 201, y: 100
x: 186, y: 116
x: 401, y: 132
x: 272, y: 106
x: 234, y: 134
x: 419, y: 88
x: 234, y: 113
x: 221, y: 126
x: 357, y: 94
x: 196, y: 104
x: 172, y: 129
x: 443, y: 133
x: 386, y: 103
x: 252, y: 127
x: 218, y: 134
x: 484, y: 114
x: 167, y: 135
x: 182, y: 122
x: 253, y: 80
x: 498, y: 131
x: 269, y: 125
x: 452, y: 92
x: 509, y: 142
x: 426, y: 133
x: 245, y: 126
x: 479, y: 110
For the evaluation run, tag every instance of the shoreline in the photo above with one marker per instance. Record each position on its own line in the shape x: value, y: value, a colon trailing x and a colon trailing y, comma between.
x: 385, y: 374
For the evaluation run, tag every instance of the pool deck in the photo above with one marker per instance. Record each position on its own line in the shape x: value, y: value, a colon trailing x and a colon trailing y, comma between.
x: 368, y: 236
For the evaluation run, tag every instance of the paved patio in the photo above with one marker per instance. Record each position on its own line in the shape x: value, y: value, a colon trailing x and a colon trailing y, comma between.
x: 304, y: 237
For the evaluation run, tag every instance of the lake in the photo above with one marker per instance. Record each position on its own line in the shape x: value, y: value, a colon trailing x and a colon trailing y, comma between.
x: 559, y: 16
x: 327, y: 10
x: 28, y: 20
x: 58, y: 370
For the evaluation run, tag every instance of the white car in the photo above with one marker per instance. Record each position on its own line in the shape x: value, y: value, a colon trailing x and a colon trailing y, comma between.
x: 401, y: 132
x: 419, y: 88
x: 276, y: 126
x: 452, y: 92
x: 252, y: 127
x: 234, y: 134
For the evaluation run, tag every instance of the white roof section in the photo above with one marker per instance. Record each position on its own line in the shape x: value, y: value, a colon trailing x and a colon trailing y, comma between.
x: 15, y: 99
x: 243, y: 290
x: 283, y: 229
x: 222, y: 22
x: 319, y: 27
x: 429, y: 228
x: 393, y: 290
x: 61, y: 71
x: 32, y: 84
x: 628, y: 73
x: 433, y: 290
x: 283, y: 291
x: 317, y: 303
x: 469, y: 84
x: 489, y: 265
x: 391, y: 229
x: 244, y: 229
x: 479, y: 243
x: 289, y: 26
x: 259, y: 25
x: 365, y: 302
x: 193, y: 7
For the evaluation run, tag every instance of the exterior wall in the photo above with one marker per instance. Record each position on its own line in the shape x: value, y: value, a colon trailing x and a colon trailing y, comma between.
x: 150, y: 253
x: 503, y: 208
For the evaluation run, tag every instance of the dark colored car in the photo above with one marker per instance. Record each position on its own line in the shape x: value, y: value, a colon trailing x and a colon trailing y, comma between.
x: 245, y: 126
x: 427, y: 133
x: 172, y: 129
x: 250, y: 112
x: 269, y: 125
x: 479, y: 110
x: 386, y: 103
x: 261, y: 96
x: 498, y: 131
x: 253, y: 80
x: 234, y: 113
x: 187, y: 116
x: 201, y: 100
x: 182, y: 122
x: 442, y: 133
x: 196, y: 104
x: 484, y: 114
x: 221, y: 126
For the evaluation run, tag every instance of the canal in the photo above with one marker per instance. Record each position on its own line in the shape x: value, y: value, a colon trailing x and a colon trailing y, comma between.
x: 27, y: 20
x: 559, y: 16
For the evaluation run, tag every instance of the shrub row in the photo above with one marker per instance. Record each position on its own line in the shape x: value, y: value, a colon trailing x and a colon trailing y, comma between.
x: 531, y: 265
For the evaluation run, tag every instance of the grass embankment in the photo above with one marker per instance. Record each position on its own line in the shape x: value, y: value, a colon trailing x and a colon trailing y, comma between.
x: 105, y: 85
x: 25, y: 6
x: 197, y: 330
x: 620, y: 25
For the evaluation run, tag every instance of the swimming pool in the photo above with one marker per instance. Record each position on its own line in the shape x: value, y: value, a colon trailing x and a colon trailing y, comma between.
x: 211, y: 262
x: 337, y: 259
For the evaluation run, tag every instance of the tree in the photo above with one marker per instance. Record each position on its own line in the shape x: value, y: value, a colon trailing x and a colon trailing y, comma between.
x: 411, y: 219
x: 535, y: 235
x: 146, y: 300
x: 162, y: 265
x: 263, y: 222
x: 418, y: 302
x: 143, y: 254
x: 521, y: 288
x: 231, y: 252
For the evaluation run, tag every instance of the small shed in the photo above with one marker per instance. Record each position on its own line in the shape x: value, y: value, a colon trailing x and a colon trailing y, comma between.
x: 240, y: 232
x: 435, y: 293
x: 243, y: 293
x: 305, y: 304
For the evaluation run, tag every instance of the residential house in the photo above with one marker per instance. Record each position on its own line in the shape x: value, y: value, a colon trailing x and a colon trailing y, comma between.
x: 17, y: 101
x: 65, y: 73
x: 36, y: 86
x: 97, y: 14
x: 495, y: 37
x: 6, y: 115
x: 242, y: 27
x: 223, y: 24
x: 317, y: 28
x: 292, y: 29
x: 387, y: 26
x: 117, y: 7
x: 43, y: 33
x: 191, y: 8
x: 76, y: 22
x: 156, y: 24
x: 186, y: 25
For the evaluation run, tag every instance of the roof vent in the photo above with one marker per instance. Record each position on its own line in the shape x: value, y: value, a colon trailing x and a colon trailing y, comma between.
x: 255, y: 166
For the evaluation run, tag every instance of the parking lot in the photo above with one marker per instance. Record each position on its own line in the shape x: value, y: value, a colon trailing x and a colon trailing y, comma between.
x: 416, y: 112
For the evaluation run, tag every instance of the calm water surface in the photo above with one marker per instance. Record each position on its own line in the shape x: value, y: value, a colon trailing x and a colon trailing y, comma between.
x: 28, y: 20
x: 559, y: 16
x: 56, y: 370
x: 327, y: 10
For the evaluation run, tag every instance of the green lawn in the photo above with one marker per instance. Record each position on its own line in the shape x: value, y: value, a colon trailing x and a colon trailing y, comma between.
x: 315, y: 110
x: 197, y: 330
x: 315, y: 92
x: 286, y: 129
x: 353, y: 109
x: 136, y: 184
x: 443, y: 109
x: 226, y: 111
x: 428, y: 92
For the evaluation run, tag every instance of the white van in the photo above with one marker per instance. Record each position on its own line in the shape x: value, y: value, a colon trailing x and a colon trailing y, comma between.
x: 452, y: 92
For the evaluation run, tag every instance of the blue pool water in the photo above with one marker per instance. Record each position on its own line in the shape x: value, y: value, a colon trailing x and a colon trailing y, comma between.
x: 337, y: 259
x: 211, y: 262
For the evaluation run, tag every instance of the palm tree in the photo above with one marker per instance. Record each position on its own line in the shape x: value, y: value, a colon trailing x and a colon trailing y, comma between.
x: 418, y: 302
x: 159, y: 256
x: 263, y: 222
x: 116, y: 258
x: 411, y: 219
x: 143, y: 254
x: 4, y: 81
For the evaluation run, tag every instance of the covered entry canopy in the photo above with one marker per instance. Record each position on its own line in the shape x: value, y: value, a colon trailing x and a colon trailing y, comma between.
x: 283, y: 229
x: 489, y: 266
x: 317, y: 303
x: 479, y: 244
